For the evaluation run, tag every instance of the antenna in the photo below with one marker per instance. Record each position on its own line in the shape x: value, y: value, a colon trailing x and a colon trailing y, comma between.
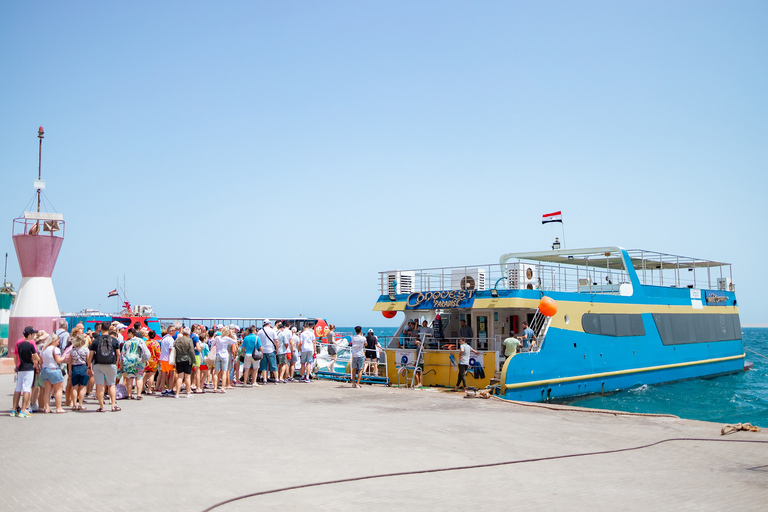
x: 40, y: 136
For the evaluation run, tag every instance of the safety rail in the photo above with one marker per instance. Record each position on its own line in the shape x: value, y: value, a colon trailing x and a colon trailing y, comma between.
x: 594, y: 273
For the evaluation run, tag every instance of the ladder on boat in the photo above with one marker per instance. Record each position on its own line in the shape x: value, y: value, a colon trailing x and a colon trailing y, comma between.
x: 419, y: 360
x: 540, y: 326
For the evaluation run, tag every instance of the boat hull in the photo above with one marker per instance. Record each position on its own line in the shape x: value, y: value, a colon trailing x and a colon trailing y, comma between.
x: 572, y: 364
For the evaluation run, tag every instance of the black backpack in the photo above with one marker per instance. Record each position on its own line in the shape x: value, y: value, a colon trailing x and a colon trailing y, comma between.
x: 105, y: 350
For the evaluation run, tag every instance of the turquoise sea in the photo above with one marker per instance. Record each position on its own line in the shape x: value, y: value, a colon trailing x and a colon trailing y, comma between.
x: 737, y: 398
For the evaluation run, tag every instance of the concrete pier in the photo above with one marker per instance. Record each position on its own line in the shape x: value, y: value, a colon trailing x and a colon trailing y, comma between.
x: 190, y: 454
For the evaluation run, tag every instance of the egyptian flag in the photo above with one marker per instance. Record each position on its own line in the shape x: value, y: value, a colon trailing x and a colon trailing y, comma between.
x: 552, y: 217
x: 113, y: 293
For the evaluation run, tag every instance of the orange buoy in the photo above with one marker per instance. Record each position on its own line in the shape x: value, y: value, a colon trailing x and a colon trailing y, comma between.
x: 547, y: 306
x: 389, y: 314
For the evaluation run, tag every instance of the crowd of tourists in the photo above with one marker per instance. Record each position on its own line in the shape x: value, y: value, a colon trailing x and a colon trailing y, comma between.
x: 115, y: 361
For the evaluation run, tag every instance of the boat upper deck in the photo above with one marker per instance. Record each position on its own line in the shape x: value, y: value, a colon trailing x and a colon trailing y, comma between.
x: 604, y: 270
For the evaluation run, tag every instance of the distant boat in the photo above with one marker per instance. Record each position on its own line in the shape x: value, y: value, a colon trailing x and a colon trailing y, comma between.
x: 142, y: 314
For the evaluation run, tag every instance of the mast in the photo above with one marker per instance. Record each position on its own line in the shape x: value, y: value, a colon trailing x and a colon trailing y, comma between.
x: 40, y: 136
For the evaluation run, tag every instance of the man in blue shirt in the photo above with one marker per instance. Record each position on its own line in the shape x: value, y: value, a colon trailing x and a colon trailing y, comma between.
x: 528, y: 337
x: 251, y: 342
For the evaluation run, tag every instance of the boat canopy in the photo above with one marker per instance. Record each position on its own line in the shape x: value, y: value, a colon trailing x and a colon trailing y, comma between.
x: 610, y: 257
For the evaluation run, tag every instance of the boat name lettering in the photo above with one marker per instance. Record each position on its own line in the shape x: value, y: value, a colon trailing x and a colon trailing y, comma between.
x: 440, y: 299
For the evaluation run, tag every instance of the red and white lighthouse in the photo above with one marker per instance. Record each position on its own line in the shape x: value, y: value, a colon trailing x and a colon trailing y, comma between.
x: 37, y: 237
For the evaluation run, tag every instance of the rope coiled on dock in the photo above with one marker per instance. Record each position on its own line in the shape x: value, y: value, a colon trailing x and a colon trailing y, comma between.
x: 730, y: 429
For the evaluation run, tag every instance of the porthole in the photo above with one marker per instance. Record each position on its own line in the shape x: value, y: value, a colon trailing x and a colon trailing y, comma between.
x: 567, y: 319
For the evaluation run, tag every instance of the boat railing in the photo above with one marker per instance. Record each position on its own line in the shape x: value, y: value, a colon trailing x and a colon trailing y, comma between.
x: 593, y: 274
x: 441, y: 344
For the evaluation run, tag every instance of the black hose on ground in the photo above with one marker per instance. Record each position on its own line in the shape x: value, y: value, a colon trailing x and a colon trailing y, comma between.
x: 475, y: 466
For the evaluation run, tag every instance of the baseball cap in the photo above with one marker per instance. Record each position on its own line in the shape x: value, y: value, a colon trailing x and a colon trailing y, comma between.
x: 370, y: 330
x: 266, y: 321
x: 29, y: 330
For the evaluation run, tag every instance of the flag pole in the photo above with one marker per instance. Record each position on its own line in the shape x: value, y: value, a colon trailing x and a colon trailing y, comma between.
x: 562, y: 226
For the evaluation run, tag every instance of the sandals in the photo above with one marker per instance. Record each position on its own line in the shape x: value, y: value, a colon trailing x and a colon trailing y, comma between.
x: 116, y: 409
x: 100, y: 409
x: 139, y: 397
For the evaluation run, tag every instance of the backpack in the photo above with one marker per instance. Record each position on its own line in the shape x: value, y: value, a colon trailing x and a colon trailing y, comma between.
x: 105, y: 352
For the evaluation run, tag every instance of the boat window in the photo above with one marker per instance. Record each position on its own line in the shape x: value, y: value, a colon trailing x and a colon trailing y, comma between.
x: 681, y: 328
x: 613, y: 324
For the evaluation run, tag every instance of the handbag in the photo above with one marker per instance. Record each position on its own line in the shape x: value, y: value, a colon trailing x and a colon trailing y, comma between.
x: 210, y: 357
x: 145, y: 354
x: 257, y: 355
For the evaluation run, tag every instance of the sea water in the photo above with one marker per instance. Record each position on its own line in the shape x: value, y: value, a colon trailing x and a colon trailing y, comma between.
x: 738, y: 398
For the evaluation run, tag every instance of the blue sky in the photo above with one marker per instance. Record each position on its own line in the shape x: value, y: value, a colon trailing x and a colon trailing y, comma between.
x: 270, y: 158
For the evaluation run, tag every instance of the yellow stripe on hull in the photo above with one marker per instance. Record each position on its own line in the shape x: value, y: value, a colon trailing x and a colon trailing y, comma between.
x: 561, y: 380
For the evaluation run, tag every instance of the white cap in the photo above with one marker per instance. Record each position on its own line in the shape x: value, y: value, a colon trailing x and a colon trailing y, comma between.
x: 266, y: 321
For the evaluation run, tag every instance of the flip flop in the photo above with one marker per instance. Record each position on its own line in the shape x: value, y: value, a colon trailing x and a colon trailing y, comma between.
x: 61, y: 412
x: 116, y: 409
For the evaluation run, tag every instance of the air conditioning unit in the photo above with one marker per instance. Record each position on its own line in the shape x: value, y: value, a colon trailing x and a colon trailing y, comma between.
x: 724, y: 284
x: 468, y: 279
x: 522, y: 276
x: 400, y: 282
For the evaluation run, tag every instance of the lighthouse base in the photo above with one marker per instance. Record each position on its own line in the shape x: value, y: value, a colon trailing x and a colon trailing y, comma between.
x: 35, y: 305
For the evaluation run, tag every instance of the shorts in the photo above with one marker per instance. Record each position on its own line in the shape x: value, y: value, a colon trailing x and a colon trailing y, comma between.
x: 80, y: 375
x: 52, y: 375
x: 184, y: 367
x: 165, y: 366
x: 250, y: 363
x: 24, y: 381
x: 358, y: 363
x: 105, y: 374
x: 331, y: 350
x: 371, y: 355
x: 282, y: 358
x: 221, y: 364
x: 306, y: 357
x: 269, y: 363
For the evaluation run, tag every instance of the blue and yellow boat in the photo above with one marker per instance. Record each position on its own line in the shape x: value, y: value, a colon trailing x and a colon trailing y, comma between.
x: 621, y: 318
